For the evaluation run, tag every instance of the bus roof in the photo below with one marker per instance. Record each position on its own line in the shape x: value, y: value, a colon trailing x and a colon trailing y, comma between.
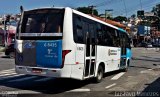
x: 45, y: 8
x: 82, y: 14
x: 100, y: 21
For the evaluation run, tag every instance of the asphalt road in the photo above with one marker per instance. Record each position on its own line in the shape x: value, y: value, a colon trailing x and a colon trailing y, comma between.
x: 142, y: 78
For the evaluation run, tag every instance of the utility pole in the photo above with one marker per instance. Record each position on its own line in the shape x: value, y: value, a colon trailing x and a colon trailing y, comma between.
x: 141, y: 4
x: 92, y: 7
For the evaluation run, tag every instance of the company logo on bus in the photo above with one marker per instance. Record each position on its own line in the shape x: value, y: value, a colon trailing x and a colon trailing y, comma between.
x: 112, y: 52
x: 28, y: 45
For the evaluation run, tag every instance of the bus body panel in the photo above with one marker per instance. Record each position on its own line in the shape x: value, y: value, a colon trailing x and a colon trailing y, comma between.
x: 38, y: 53
x: 78, y: 67
x: 68, y: 43
x: 77, y: 71
x: 50, y: 72
x: 49, y: 53
x: 74, y: 56
x: 80, y: 52
x: 110, y: 56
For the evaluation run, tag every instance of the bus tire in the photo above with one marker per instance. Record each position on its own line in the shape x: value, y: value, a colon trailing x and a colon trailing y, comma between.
x: 100, y: 73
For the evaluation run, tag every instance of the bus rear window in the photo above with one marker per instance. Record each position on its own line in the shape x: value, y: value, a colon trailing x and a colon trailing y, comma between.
x: 43, y: 21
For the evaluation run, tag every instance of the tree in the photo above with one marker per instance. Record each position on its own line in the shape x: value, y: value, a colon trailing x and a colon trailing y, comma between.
x: 120, y: 18
x: 153, y: 9
x: 87, y: 10
x: 133, y: 16
x: 156, y: 11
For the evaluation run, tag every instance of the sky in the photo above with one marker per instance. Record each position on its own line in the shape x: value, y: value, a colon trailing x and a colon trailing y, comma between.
x: 119, y: 7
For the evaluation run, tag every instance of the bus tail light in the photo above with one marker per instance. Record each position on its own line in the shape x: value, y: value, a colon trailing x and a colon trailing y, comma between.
x: 64, y: 53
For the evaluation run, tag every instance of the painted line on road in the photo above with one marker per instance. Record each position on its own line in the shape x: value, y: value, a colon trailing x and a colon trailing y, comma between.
x: 118, y: 76
x: 21, y: 92
x: 110, y: 85
x: 7, y: 70
x: 80, y: 90
x: 44, y: 79
x: 28, y: 92
x: 145, y: 71
x: 8, y: 74
x: 150, y: 69
x: 23, y: 79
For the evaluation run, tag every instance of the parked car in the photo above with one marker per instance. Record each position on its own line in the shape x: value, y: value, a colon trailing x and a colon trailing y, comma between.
x: 142, y: 44
x: 156, y: 44
x: 148, y: 45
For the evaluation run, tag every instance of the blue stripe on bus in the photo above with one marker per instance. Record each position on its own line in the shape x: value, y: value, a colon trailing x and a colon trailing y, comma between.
x: 129, y: 53
x: 49, y: 53
x: 121, y: 30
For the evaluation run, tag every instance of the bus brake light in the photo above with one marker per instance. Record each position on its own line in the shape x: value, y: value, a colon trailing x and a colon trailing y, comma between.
x: 64, y: 53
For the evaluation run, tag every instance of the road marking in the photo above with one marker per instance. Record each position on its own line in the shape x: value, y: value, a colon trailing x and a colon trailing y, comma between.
x: 28, y: 92
x: 117, y: 76
x: 110, y: 85
x: 8, y: 74
x: 150, y: 69
x: 79, y: 90
x: 15, y: 75
x: 7, y: 70
x: 44, y: 79
x: 145, y: 71
x: 21, y: 92
x: 23, y: 79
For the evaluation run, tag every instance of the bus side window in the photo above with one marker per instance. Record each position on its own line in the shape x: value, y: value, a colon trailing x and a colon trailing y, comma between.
x: 78, y: 33
x: 99, y: 35
x: 116, y: 39
x: 106, y: 38
x: 109, y: 33
x: 128, y: 41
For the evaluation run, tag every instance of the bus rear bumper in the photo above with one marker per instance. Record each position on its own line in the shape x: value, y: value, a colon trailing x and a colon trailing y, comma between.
x: 48, y: 72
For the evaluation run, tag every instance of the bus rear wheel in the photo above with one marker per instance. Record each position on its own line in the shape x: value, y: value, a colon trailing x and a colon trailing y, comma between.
x: 99, y: 76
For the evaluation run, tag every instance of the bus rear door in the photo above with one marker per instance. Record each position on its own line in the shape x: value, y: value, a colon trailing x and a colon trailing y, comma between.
x: 90, y: 50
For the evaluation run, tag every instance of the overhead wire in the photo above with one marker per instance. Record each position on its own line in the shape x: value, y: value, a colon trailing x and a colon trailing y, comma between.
x: 127, y: 10
x: 132, y: 8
